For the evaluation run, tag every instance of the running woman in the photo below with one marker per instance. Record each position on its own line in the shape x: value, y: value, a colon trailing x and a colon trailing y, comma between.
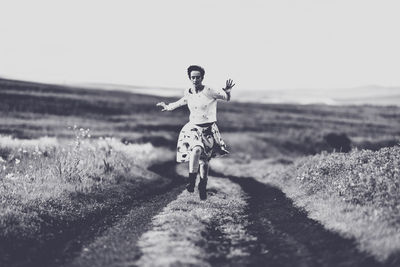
x: 200, y: 140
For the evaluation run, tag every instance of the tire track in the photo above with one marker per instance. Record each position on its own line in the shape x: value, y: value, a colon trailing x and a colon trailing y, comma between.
x: 191, y: 232
x: 243, y: 223
x: 117, y: 245
x: 287, y: 237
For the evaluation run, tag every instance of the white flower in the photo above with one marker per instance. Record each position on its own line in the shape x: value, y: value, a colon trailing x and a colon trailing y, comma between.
x: 2, y: 160
x: 17, y: 161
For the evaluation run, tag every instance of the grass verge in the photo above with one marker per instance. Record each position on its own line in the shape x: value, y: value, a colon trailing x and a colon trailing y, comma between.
x: 356, y: 194
x: 50, y: 186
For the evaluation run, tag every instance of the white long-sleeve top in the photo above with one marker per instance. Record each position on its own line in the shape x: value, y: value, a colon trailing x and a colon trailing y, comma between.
x: 202, y: 105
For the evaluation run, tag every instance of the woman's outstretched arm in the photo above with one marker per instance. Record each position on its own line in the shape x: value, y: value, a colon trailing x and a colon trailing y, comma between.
x: 173, y: 105
x: 224, y: 93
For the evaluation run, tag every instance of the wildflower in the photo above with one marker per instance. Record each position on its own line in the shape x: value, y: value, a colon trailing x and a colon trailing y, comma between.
x: 30, y: 166
x: 2, y: 160
x: 10, y: 175
x: 4, y: 168
x: 17, y: 161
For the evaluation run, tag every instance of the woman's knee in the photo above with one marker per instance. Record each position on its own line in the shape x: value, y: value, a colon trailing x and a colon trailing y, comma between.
x: 197, y: 150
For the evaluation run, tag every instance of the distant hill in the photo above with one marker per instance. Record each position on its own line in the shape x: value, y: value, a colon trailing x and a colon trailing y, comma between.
x: 158, y: 91
x: 371, y: 95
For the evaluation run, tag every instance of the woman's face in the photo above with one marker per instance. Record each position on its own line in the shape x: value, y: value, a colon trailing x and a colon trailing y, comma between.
x: 195, y: 77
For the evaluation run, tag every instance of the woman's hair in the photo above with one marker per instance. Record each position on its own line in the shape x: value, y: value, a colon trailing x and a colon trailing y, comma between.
x: 196, y: 68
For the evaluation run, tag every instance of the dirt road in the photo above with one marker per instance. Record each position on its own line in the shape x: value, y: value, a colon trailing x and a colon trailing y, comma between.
x: 242, y: 223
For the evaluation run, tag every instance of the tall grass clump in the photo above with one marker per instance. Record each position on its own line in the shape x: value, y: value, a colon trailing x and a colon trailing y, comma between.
x: 65, y: 179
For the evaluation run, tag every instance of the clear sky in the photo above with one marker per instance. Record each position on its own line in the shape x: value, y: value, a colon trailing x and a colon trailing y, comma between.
x: 260, y: 44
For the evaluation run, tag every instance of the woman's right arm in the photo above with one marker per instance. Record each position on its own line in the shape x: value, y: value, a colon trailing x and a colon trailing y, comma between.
x: 173, y: 105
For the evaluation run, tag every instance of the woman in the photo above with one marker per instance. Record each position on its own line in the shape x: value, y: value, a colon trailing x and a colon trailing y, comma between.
x: 200, y: 140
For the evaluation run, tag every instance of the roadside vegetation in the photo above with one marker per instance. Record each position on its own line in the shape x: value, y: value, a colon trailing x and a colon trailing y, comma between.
x: 356, y: 193
x: 48, y: 183
x: 367, y: 185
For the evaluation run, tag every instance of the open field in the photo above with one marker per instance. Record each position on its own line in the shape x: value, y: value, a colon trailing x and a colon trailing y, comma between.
x: 32, y: 110
x: 71, y: 156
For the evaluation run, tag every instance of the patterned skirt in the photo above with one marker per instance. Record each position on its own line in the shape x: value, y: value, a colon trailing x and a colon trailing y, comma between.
x: 208, y: 138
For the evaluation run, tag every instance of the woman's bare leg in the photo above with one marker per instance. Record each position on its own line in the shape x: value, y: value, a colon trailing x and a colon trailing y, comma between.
x: 204, y: 166
x: 195, y: 159
x: 193, y: 167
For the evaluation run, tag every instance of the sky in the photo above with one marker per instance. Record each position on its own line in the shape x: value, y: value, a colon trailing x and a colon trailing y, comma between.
x: 260, y: 44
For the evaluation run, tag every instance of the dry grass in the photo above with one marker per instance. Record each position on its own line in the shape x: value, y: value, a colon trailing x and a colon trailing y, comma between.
x: 356, y: 194
x: 49, y: 178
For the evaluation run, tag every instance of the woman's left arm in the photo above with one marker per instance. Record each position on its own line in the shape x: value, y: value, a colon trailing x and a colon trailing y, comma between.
x: 228, y: 88
x: 224, y: 93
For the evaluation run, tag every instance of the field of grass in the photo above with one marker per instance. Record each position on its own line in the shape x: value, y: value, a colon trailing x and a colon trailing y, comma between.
x: 54, y: 169
x: 34, y: 110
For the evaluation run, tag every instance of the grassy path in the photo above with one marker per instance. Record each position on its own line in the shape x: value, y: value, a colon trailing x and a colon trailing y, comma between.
x: 183, y: 231
x: 117, y: 245
x: 201, y: 233
x: 242, y: 223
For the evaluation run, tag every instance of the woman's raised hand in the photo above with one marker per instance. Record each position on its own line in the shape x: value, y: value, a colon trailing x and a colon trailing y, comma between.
x: 229, y: 85
x: 163, y: 105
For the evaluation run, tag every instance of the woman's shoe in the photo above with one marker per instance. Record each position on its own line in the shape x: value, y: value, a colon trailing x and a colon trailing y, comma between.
x: 203, y: 189
x: 192, y: 182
